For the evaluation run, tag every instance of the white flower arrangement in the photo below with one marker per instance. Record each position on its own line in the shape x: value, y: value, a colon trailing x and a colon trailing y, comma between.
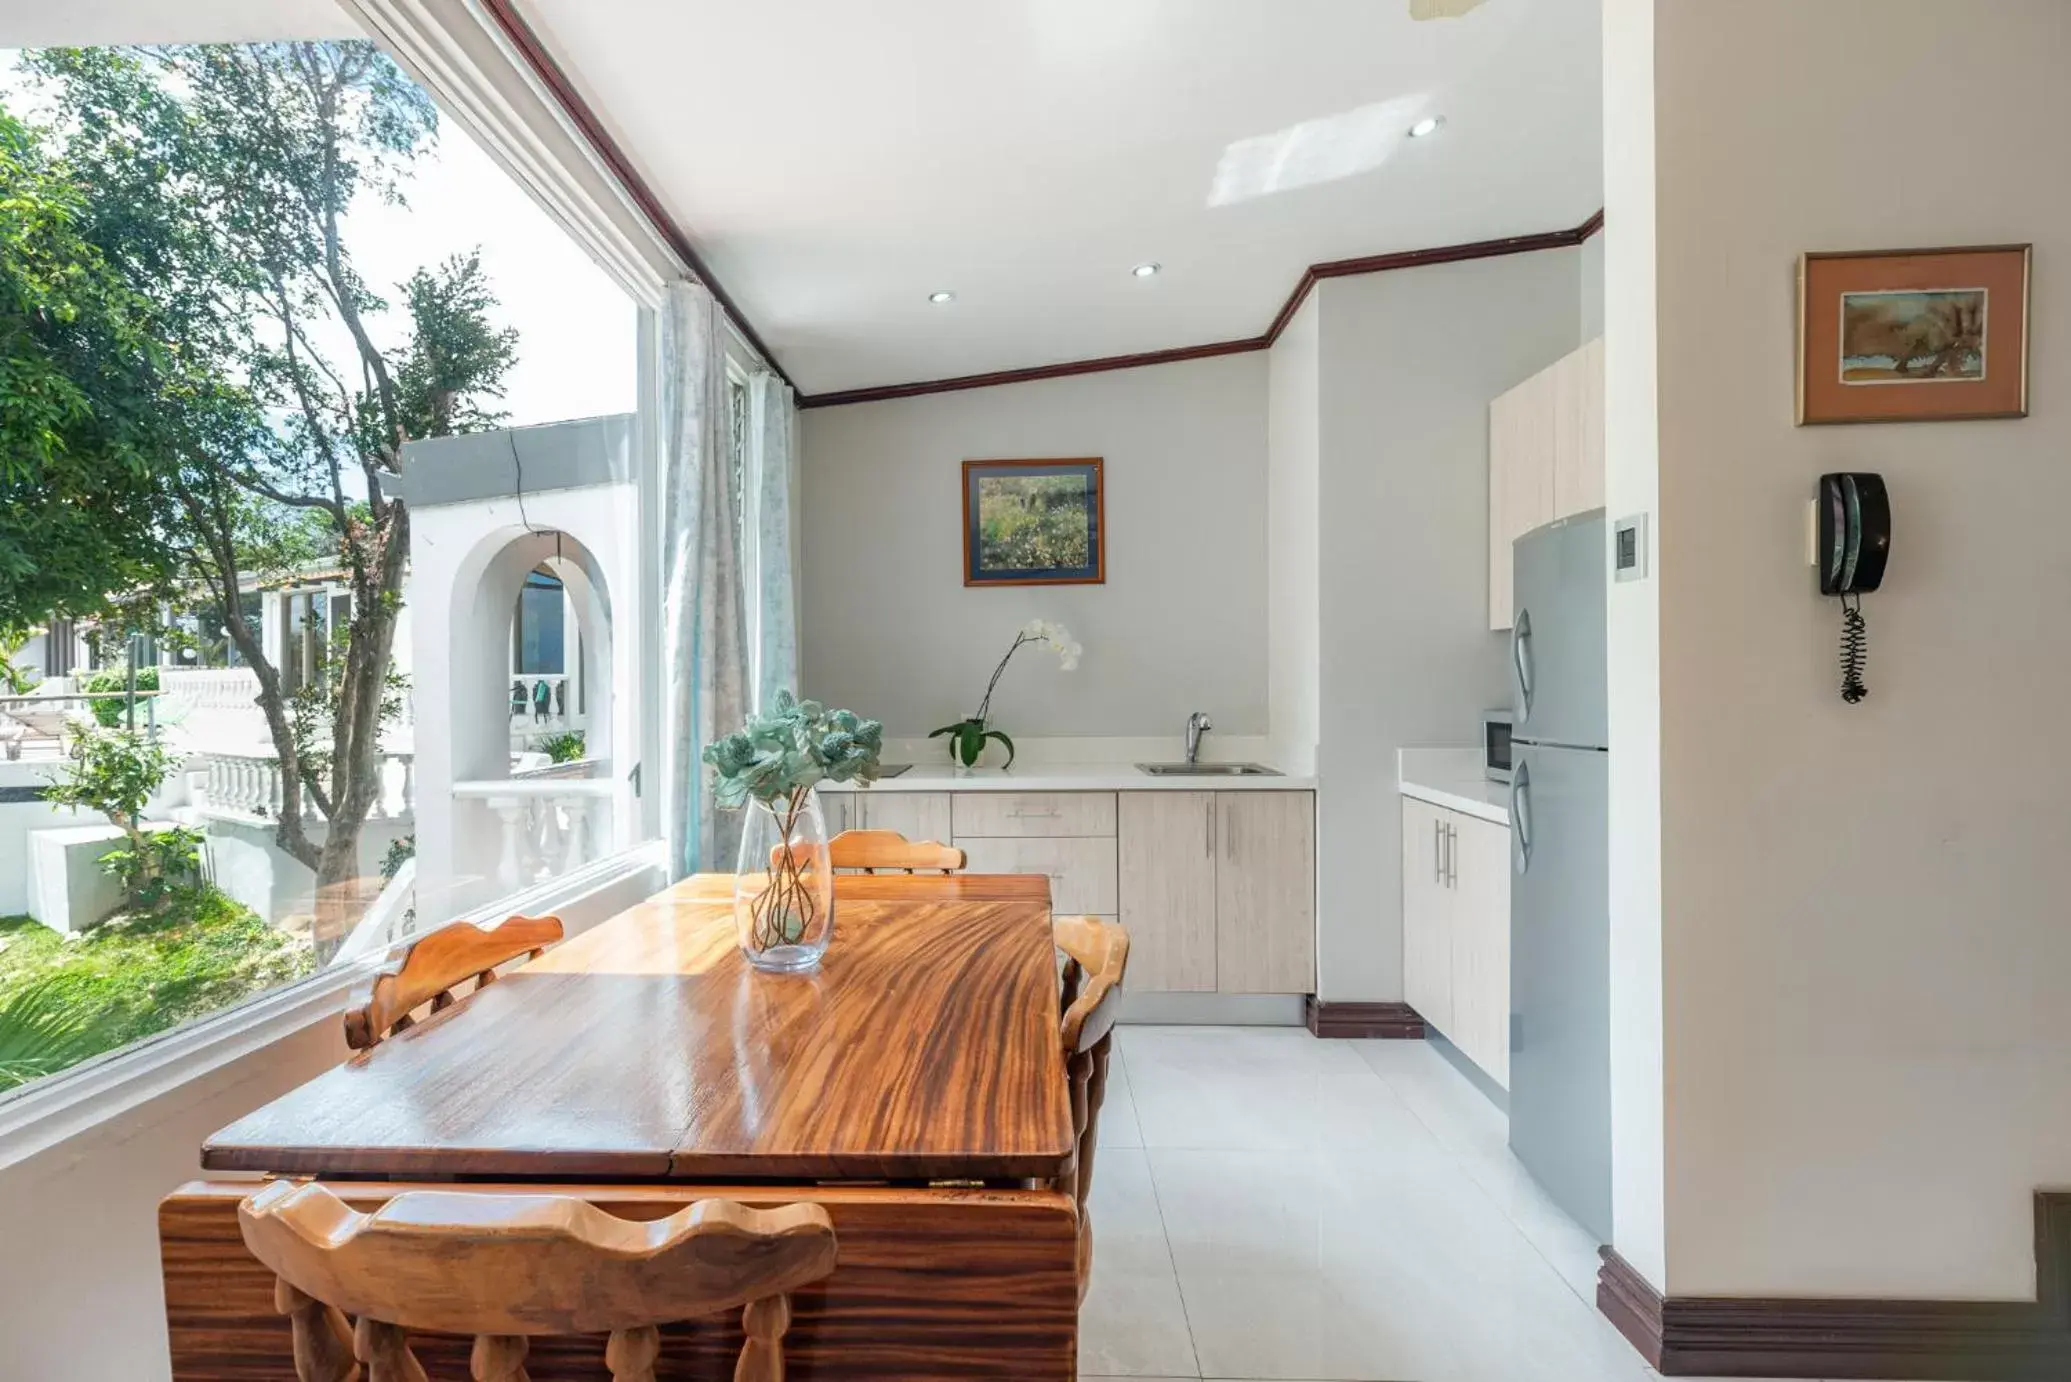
x: 968, y: 738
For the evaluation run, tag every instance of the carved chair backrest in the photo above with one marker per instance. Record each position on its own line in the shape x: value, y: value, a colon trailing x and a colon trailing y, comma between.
x: 876, y: 851
x: 429, y: 970
x: 505, y: 1268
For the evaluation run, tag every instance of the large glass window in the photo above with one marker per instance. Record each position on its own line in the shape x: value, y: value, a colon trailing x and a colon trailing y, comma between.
x: 324, y: 284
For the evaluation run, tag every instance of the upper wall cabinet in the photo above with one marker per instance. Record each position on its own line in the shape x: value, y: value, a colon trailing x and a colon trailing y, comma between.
x: 1546, y: 458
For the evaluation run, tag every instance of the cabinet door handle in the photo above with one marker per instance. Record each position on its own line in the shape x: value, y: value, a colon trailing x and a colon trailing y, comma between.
x: 1438, y: 851
x: 1208, y: 828
x: 1452, y: 856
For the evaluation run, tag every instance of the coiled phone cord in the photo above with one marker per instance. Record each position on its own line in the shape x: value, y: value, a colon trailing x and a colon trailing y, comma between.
x: 1855, y: 648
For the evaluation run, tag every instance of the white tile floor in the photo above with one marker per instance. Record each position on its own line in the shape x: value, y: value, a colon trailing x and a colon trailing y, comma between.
x: 1270, y: 1206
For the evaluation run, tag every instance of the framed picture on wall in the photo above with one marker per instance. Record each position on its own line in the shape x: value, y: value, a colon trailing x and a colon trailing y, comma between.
x: 1934, y: 335
x: 1034, y: 523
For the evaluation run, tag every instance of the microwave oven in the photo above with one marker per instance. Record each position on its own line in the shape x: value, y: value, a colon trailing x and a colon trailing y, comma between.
x: 1495, y: 744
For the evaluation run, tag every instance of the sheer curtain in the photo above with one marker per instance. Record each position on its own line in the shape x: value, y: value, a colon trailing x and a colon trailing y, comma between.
x: 774, y: 410
x: 704, y: 625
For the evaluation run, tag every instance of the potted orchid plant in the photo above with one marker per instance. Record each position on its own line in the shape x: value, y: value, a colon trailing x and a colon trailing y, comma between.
x: 968, y: 738
x: 783, y: 898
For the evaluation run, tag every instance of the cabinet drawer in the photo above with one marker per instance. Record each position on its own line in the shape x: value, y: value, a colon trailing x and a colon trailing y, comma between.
x: 1081, y: 869
x: 1016, y: 814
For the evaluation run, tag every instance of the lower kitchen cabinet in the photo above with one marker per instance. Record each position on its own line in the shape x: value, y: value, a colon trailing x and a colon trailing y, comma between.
x: 1166, y: 847
x: 1218, y: 891
x: 1216, y: 888
x: 1427, y: 914
x: 1456, y: 930
x: 1265, y: 892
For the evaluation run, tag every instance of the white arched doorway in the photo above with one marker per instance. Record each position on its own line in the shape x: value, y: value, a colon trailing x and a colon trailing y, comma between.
x: 492, y: 816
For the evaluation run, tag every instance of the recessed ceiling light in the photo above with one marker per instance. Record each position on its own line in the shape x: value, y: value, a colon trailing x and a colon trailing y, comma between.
x: 942, y: 297
x: 1144, y: 270
x: 1426, y: 127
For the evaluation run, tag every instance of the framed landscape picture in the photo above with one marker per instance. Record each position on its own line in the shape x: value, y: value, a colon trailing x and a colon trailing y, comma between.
x: 1913, y: 335
x: 1034, y: 523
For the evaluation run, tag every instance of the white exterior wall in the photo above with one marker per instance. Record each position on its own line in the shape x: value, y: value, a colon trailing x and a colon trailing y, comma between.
x: 468, y: 561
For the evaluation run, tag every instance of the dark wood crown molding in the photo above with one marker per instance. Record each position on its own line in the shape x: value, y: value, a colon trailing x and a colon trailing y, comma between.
x: 527, y: 42
x: 1732, y: 1336
x: 1364, y: 1020
x: 550, y: 73
x: 1311, y: 276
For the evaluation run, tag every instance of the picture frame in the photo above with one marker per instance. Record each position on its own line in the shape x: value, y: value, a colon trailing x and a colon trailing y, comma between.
x: 1034, y: 522
x: 1918, y: 335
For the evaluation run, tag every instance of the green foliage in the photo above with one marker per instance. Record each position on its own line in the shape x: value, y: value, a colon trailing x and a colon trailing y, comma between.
x: 160, y: 862
x: 111, y: 714
x: 400, y: 850
x: 134, y: 975
x: 221, y: 177
x: 116, y: 773
x: 969, y: 739
x: 455, y: 356
x: 42, y: 1031
x: 14, y: 678
x: 113, y: 772
x: 564, y: 747
x: 1033, y: 522
x: 82, y: 379
x: 797, y: 745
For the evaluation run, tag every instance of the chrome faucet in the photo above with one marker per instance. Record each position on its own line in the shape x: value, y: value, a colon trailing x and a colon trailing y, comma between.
x: 1197, y: 725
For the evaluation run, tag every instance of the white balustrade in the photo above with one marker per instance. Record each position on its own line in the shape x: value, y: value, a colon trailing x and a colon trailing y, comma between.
x: 547, y: 826
x: 211, y: 688
x: 250, y: 786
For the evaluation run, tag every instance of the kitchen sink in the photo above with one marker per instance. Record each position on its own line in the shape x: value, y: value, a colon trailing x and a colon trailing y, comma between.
x: 1207, y: 770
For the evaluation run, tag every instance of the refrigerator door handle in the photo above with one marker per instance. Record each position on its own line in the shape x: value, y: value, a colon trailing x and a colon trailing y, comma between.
x: 1521, y: 662
x: 1521, y: 819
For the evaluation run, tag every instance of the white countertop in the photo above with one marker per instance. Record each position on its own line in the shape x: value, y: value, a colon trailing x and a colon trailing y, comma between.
x: 941, y: 776
x: 1454, y: 779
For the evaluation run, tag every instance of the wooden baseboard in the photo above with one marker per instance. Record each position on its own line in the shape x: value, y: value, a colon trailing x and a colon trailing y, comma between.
x: 1364, y: 1020
x: 1976, y: 1341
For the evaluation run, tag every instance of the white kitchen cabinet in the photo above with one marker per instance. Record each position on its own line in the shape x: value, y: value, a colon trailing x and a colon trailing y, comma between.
x: 1480, y: 880
x: 1456, y: 930
x: 1546, y: 459
x: 1427, y: 923
x: 1265, y: 892
x: 1166, y: 845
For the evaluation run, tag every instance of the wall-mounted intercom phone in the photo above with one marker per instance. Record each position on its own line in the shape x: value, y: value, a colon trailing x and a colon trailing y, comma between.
x: 1854, y: 543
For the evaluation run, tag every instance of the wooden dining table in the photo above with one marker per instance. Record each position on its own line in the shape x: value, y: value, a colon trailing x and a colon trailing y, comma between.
x: 914, y: 1085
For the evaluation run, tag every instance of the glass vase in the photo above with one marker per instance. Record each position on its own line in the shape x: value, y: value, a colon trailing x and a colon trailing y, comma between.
x: 783, y: 889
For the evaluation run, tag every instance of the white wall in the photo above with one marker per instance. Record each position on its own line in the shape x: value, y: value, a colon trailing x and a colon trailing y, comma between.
x: 1590, y: 264
x: 1632, y: 631
x: 1408, y: 363
x: 80, y: 1291
x: 1863, y: 926
x: 1294, y: 552
x: 889, y: 629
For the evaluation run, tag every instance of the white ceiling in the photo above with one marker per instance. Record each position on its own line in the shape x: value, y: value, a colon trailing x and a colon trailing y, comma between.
x: 85, y: 23
x: 836, y: 162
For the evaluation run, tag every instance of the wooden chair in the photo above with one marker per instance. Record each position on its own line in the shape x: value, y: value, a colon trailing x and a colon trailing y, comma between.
x: 881, y: 851
x: 504, y: 1268
x: 429, y: 969
x: 1096, y: 956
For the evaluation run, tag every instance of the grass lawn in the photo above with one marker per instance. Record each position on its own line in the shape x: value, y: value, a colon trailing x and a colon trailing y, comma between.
x: 138, y: 974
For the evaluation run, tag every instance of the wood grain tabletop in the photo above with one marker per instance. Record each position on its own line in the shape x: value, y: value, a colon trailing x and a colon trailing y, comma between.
x: 925, y: 1048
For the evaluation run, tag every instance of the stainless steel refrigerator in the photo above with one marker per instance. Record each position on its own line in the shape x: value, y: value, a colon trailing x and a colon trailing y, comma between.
x: 1560, y: 1049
